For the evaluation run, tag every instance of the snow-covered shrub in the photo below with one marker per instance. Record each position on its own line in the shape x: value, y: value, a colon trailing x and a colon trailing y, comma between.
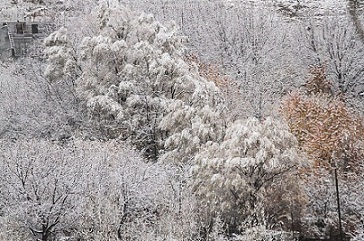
x: 261, y: 233
x: 320, y: 218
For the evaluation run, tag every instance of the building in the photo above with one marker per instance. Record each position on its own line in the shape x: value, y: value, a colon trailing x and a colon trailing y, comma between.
x: 21, y: 38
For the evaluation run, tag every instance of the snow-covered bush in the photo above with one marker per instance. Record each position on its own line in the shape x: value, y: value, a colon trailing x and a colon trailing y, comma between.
x: 261, y: 233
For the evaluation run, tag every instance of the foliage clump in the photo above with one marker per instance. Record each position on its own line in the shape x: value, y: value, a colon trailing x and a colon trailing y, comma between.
x: 326, y: 128
x: 229, y: 87
x: 232, y: 179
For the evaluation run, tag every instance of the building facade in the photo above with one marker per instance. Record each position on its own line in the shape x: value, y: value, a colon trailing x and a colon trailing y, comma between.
x: 21, y: 38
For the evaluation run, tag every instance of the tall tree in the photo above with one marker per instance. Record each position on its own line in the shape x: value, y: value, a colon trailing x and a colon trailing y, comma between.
x: 232, y: 179
x: 323, y: 124
x: 137, y: 85
x: 334, y: 45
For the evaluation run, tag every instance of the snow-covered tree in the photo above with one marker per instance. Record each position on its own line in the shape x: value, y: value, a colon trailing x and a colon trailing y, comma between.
x: 41, y: 187
x: 139, y: 88
x: 250, y: 42
x: 89, y: 190
x: 123, y: 196
x: 231, y: 178
x: 250, y: 50
x: 31, y: 107
x: 326, y: 128
x: 333, y: 44
x: 331, y: 134
x: 61, y: 57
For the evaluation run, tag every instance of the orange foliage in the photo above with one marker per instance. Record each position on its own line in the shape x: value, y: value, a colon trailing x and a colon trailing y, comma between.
x: 325, y: 127
x: 210, y: 72
x: 318, y: 83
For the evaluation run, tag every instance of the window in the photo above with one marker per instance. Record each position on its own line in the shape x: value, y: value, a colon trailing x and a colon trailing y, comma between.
x: 19, y: 28
x: 35, y: 28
